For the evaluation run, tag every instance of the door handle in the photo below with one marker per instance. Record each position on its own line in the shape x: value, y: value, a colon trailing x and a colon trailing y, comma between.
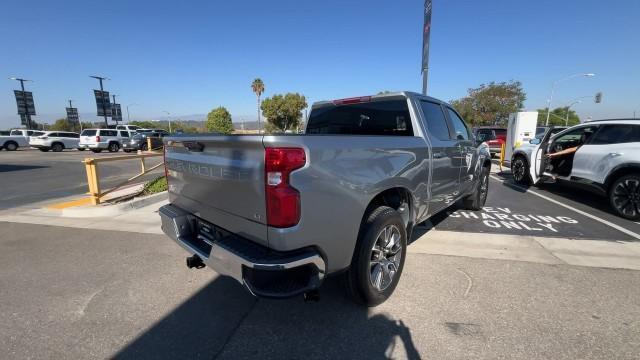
x: 614, y: 154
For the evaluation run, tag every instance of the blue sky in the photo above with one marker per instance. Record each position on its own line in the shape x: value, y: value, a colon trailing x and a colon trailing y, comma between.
x: 187, y: 57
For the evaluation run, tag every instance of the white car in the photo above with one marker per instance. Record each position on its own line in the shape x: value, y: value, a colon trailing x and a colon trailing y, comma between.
x: 607, y: 160
x: 521, y: 157
x: 97, y: 140
x: 17, y: 138
x: 55, y: 141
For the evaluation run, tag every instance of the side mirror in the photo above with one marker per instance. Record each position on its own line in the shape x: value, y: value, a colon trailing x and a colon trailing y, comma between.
x: 535, y: 141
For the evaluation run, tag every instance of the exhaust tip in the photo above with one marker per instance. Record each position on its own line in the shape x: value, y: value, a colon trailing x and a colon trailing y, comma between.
x: 195, y: 262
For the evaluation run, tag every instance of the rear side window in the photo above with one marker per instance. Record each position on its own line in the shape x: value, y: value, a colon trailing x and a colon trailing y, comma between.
x: 124, y: 134
x: 617, y: 134
x: 88, y: 133
x: 108, y: 133
x: 54, y: 135
x: 4, y: 133
x: 460, y: 129
x: 16, y: 132
x: 389, y: 117
x: 436, y: 122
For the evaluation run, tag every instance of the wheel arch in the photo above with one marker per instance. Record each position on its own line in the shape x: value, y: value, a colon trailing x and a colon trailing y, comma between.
x: 621, y: 170
x: 57, y: 142
x: 394, y: 198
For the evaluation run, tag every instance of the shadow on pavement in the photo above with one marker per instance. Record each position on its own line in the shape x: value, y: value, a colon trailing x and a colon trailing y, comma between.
x: 223, y: 321
x: 12, y: 167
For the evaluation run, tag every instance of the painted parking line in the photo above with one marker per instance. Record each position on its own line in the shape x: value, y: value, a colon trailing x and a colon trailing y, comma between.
x: 583, y: 213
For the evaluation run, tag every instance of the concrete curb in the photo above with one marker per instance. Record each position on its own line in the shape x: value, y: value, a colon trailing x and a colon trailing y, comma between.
x: 106, y: 210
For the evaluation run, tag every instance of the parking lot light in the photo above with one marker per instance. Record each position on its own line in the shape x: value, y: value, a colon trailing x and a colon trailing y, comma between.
x: 553, y: 86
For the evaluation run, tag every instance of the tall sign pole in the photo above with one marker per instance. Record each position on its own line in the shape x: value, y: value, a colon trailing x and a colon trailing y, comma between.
x: 104, y: 101
x: 24, y: 100
x: 426, y: 32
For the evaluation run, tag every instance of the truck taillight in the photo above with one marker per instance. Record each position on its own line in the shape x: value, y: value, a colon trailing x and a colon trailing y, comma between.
x: 97, y: 138
x: 283, y: 200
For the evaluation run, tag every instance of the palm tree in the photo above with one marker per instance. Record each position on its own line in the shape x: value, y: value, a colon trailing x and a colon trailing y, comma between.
x: 258, y: 88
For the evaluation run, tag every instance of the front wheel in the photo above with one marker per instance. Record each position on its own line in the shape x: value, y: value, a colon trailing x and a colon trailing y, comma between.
x: 378, y: 259
x: 478, y: 198
x: 57, y: 147
x: 113, y: 147
x: 80, y: 149
x: 624, y: 196
x: 43, y: 149
x: 520, y: 170
x: 11, y: 146
x: 96, y: 150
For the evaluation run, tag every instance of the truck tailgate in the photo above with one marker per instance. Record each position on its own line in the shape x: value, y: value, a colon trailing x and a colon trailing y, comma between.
x: 221, y: 180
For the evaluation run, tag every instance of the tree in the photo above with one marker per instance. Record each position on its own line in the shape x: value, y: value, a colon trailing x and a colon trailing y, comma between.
x: 558, y: 117
x: 219, y: 120
x: 283, y: 112
x: 62, y: 125
x: 491, y: 104
x: 143, y: 124
x: 258, y: 88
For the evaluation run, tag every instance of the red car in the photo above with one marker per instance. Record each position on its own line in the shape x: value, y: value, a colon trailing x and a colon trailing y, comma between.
x: 494, y: 136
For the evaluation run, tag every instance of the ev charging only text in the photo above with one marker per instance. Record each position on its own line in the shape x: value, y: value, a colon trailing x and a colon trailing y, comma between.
x: 504, y: 218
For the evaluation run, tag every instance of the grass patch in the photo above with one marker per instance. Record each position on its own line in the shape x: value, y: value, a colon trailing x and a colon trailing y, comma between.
x: 155, y: 186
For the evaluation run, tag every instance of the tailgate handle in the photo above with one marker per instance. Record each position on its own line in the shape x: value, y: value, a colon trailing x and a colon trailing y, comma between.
x: 193, y: 146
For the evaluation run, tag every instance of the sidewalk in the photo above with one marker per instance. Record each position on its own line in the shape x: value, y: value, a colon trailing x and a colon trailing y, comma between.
x: 544, y: 250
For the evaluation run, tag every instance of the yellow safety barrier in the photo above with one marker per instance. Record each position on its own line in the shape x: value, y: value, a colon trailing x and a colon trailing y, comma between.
x: 150, y: 146
x: 93, y: 176
x: 502, y: 156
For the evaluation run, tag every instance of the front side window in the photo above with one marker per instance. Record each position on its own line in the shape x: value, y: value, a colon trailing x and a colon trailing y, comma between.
x: 460, y: 129
x: 386, y: 117
x: 617, y: 134
x: 575, y: 137
x: 436, y: 122
x: 124, y: 134
x: 16, y: 132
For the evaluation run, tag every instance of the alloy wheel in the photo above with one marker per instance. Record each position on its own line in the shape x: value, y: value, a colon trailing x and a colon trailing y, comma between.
x: 385, y: 257
x: 518, y: 169
x: 626, y: 197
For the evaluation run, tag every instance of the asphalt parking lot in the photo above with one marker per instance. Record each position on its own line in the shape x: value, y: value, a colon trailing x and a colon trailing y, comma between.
x: 552, y: 210
x: 30, y: 176
x: 78, y: 293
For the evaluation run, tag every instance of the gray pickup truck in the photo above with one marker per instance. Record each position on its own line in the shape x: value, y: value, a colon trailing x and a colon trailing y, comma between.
x: 279, y: 213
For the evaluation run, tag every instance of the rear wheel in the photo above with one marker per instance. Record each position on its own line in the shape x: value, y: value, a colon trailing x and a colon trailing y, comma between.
x: 96, y: 150
x: 378, y: 259
x: 478, y: 198
x: 44, y: 149
x: 624, y: 196
x: 520, y: 170
x: 57, y: 147
x: 113, y: 147
x: 11, y: 146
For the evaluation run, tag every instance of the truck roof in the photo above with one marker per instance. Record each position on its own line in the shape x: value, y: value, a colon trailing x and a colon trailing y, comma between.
x: 377, y: 97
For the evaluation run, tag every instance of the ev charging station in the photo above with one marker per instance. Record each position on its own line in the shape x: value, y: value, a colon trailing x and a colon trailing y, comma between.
x: 521, y: 128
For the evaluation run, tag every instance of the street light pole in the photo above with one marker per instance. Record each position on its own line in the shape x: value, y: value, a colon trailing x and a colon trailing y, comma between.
x: 104, y: 105
x: 553, y: 87
x: 26, y: 108
x: 169, y: 117
x: 128, y: 119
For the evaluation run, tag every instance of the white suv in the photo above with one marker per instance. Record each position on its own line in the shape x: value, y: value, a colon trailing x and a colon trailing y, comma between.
x: 102, y: 139
x: 607, y: 159
x: 55, y: 140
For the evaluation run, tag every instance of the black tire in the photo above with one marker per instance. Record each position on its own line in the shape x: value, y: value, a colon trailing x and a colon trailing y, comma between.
x: 478, y: 198
x: 57, y: 147
x: 520, y: 170
x: 80, y: 149
x: 359, y: 278
x: 126, y: 150
x: 11, y: 146
x: 96, y: 150
x: 44, y: 149
x: 145, y: 147
x: 624, y: 196
x: 113, y: 147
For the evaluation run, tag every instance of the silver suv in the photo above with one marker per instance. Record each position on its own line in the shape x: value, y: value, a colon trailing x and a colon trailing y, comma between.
x: 102, y: 139
x: 607, y: 160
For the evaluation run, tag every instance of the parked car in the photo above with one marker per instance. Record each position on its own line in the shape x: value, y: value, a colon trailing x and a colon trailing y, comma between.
x: 127, y: 127
x: 279, y: 213
x: 55, y: 140
x: 102, y: 139
x: 16, y: 138
x: 521, y: 157
x: 140, y: 141
x: 494, y: 136
x: 607, y: 161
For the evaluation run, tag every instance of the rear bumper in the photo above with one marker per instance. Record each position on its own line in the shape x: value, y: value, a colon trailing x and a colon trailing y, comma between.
x: 262, y: 271
x: 93, y: 146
